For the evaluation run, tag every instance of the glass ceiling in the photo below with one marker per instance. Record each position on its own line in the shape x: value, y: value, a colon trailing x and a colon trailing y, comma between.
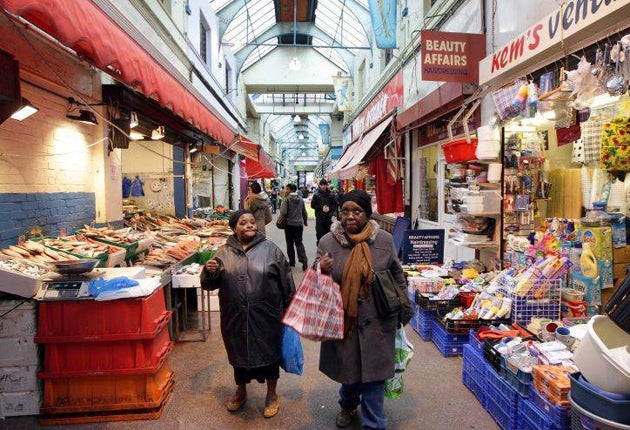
x: 333, y: 17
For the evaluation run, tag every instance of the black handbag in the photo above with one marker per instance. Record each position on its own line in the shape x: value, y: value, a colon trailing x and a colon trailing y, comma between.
x: 281, y: 221
x: 386, y: 295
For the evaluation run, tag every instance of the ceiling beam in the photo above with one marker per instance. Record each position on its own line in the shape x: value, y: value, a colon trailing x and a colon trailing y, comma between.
x: 283, y: 28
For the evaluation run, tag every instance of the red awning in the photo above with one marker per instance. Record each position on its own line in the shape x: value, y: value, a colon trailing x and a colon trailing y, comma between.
x: 245, y: 147
x: 263, y: 168
x: 83, y: 27
x: 348, y: 165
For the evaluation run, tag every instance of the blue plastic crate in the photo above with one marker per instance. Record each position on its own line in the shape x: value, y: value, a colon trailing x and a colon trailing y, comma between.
x: 447, y: 349
x: 500, y: 385
x: 476, y: 343
x: 449, y: 338
x: 520, y: 381
x: 504, y: 413
x: 471, y: 382
x: 560, y: 417
x: 473, y: 358
x: 536, y: 419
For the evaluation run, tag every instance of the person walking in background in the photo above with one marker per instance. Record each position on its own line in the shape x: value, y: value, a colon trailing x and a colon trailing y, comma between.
x: 255, y: 287
x: 274, y: 199
x: 325, y: 205
x: 258, y: 203
x: 305, y: 192
x: 354, y: 249
x: 294, y: 210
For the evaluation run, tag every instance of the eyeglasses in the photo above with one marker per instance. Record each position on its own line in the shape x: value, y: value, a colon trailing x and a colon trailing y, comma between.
x: 355, y: 212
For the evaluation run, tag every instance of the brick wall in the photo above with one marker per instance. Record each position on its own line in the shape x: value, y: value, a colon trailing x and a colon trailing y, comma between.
x: 20, y: 212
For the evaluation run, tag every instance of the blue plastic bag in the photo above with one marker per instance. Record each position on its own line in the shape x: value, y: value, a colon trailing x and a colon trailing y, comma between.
x: 292, y: 355
x: 100, y: 285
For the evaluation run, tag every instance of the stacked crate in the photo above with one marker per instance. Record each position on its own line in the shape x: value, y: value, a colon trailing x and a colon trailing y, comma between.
x: 502, y: 401
x: 104, y: 361
x: 449, y: 344
x: 20, y: 391
x: 474, y: 372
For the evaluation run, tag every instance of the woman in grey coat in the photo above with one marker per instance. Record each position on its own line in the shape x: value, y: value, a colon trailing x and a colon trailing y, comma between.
x: 255, y: 287
x: 353, y: 250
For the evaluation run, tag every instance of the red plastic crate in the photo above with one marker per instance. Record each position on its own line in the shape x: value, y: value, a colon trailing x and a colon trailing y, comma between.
x: 460, y: 150
x: 123, y: 357
x: 106, y: 393
x: 90, y: 320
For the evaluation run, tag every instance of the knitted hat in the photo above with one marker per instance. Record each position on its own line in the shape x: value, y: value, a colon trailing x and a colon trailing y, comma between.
x: 235, y: 216
x: 359, y: 197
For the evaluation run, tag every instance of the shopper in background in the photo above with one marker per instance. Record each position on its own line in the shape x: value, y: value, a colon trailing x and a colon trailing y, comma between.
x: 255, y: 287
x: 294, y: 210
x: 353, y: 250
x: 258, y: 203
x: 274, y: 199
x: 325, y: 205
x: 305, y: 192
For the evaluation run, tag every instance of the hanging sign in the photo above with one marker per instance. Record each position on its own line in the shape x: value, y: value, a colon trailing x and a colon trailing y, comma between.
x: 383, y: 16
x: 423, y: 247
x: 451, y: 57
x: 573, y: 22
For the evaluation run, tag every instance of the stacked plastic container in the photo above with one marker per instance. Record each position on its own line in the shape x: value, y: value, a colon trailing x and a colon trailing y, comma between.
x: 448, y: 344
x: 474, y: 368
x: 502, y: 401
x: 20, y: 391
x: 600, y: 395
x: 104, y: 361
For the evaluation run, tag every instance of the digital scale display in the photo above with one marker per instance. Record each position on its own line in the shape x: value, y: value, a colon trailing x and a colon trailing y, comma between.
x: 63, y: 290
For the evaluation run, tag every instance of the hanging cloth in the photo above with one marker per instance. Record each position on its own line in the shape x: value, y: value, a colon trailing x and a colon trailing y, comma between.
x: 136, y: 187
x: 126, y: 187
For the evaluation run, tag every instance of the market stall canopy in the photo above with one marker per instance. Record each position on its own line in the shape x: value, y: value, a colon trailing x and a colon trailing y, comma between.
x: 84, y: 28
x: 348, y: 165
x: 263, y: 168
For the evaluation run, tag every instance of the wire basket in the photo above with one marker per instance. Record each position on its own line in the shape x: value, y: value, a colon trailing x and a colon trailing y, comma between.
x: 541, y: 299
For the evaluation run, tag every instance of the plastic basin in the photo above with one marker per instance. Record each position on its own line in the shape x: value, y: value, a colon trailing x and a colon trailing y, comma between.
x: 603, y: 356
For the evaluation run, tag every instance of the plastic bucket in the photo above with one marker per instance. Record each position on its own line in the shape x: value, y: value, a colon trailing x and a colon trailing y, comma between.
x: 603, y: 356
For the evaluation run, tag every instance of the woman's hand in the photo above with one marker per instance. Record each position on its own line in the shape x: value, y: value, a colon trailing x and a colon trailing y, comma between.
x: 326, y: 263
x: 212, y: 266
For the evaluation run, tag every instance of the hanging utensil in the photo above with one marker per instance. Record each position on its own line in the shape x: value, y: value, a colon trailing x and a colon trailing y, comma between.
x: 616, y: 83
x: 603, y: 73
x: 599, y: 62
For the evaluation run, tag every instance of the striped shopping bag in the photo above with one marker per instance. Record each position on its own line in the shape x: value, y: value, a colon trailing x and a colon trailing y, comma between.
x: 316, y: 310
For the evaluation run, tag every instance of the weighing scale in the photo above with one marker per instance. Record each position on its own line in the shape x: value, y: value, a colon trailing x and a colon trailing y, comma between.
x: 75, y: 287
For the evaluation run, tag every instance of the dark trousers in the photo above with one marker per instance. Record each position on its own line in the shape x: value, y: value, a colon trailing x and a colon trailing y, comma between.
x: 371, y: 396
x: 322, y: 226
x: 293, y: 236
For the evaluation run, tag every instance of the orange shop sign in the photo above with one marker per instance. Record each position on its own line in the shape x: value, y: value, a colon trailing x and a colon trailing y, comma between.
x: 451, y: 57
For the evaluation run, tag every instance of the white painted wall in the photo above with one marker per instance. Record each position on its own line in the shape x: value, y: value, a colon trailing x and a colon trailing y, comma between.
x: 273, y: 69
x: 151, y: 161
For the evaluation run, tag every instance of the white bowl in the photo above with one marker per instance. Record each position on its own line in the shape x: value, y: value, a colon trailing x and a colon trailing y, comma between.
x: 603, y: 355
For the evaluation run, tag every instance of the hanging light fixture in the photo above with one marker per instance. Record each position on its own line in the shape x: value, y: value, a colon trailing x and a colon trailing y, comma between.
x: 133, y: 120
x: 26, y: 109
x: 84, y: 116
x: 297, y: 119
x: 134, y: 135
x: 158, y: 133
x: 295, y: 64
x: 301, y: 136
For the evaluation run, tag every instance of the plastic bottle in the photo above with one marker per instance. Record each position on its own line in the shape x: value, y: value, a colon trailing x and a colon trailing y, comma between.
x: 588, y: 262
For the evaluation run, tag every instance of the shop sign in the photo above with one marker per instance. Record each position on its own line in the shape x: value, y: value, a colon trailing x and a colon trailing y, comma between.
x: 390, y: 97
x: 423, y: 247
x: 572, y: 17
x: 437, y: 130
x: 451, y: 57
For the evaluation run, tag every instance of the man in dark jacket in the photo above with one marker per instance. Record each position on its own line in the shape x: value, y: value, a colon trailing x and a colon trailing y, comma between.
x: 293, y: 209
x: 325, y: 205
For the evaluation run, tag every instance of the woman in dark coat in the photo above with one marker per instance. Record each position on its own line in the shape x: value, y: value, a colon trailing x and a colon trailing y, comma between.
x: 353, y: 250
x: 255, y: 287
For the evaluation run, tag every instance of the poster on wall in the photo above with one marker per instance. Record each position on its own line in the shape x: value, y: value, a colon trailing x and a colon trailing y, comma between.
x: 423, y: 247
x: 451, y: 57
x: 324, y: 131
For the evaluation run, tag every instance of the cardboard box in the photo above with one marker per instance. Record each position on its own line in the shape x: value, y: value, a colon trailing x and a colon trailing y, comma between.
x: 621, y: 255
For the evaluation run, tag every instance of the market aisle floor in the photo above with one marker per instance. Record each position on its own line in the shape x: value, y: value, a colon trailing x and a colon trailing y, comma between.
x: 434, y: 396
